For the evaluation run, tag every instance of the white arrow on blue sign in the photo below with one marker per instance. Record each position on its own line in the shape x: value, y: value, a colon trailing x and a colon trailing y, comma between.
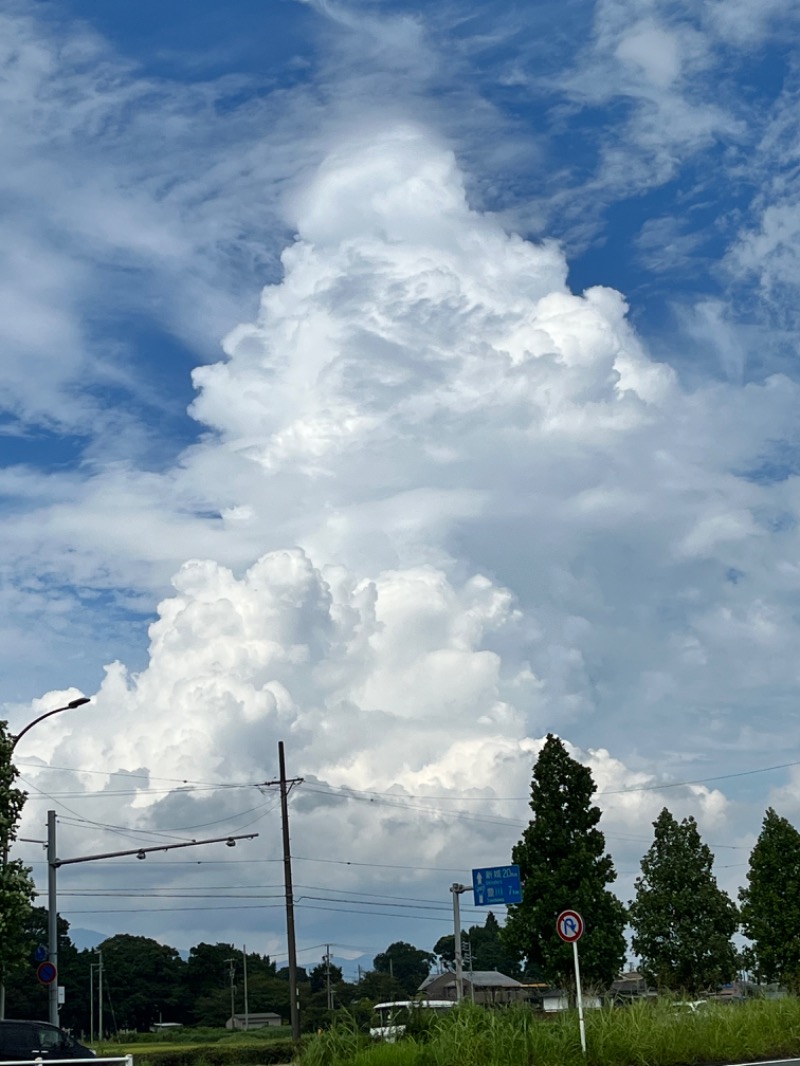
x: 496, y: 884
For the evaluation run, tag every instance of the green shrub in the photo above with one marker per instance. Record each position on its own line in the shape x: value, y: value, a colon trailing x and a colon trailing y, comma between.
x: 265, y: 1054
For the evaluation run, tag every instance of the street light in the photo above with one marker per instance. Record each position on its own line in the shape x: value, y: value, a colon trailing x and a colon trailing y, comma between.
x: 79, y: 702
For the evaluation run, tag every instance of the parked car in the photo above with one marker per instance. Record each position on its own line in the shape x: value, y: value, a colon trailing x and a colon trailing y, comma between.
x: 23, y: 1040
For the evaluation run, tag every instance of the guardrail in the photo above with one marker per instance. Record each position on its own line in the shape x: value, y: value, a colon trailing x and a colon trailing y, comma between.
x: 42, y: 1061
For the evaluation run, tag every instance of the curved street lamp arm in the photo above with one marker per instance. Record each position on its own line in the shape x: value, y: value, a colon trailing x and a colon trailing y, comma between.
x: 56, y: 710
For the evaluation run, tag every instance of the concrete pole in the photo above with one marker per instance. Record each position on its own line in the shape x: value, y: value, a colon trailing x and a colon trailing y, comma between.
x: 246, y: 1004
x: 457, y: 889
x: 231, y: 965
x: 100, y: 1033
x: 52, y: 917
x: 328, y: 989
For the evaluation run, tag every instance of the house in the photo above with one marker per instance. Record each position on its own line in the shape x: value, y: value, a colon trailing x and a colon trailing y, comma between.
x: 252, y: 1021
x: 488, y: 987
x: 555, y: 999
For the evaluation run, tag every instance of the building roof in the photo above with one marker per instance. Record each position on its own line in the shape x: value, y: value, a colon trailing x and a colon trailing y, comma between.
x: 254, y: 1015
x: 477, y: 978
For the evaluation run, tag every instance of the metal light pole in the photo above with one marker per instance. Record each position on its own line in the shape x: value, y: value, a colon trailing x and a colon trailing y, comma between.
x: 52, y: 919
x: 53, y: 863
x: 79, y: 702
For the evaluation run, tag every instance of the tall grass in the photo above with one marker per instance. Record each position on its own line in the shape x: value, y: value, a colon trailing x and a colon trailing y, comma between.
x: 644, y: 1034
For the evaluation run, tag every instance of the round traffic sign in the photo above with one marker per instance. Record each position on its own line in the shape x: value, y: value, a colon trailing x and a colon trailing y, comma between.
x: 40, y: 954
x: 570, y: 926
x: 46, y: 973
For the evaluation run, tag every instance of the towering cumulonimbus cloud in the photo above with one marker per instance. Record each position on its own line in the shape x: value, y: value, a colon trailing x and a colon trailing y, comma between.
x: 455, y: 505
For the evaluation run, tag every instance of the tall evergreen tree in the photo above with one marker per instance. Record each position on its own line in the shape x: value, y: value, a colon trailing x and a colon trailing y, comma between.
x: 16, y: 886
x: 770, y: 904
x: 563, y: 865
x: 682, y: 921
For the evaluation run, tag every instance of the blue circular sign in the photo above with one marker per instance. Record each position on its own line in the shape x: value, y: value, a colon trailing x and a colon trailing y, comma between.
x: 41, y: 953
x: 46, y: 973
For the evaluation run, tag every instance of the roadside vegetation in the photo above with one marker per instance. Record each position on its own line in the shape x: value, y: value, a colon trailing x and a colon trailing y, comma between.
x: 204, y: 1047
x: 643, y: 1034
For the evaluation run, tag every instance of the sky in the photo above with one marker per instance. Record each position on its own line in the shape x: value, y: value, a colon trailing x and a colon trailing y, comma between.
x: 402, y: 382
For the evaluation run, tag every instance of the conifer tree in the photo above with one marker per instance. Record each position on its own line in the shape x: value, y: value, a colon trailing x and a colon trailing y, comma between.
x: 682, y: 921
x: 770, y: 904
x: 564, y: 865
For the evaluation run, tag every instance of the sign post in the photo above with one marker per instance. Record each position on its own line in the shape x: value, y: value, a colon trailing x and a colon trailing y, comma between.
x: 569, y: 926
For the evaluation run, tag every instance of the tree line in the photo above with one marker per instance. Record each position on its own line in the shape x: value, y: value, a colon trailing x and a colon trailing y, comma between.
x: 681, y: 923
x: 145, y: 982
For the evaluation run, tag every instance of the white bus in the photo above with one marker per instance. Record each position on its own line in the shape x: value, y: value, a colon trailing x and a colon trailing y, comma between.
x: 393, y: 1015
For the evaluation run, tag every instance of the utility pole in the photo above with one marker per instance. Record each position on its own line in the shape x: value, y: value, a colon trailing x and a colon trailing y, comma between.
x: 457, y: 889
x: 246, y: 1005
x: 328, y: 988
x: 468, y: 955
x: 91, y: 1001
x: 231, y: 966
x: 100, y: 995
x: 285, y: 787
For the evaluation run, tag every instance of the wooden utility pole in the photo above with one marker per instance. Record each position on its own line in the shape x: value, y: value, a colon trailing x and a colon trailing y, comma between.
x: 285, y: 788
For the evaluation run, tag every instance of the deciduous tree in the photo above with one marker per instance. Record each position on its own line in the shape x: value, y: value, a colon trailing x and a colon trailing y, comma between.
x: 682, y: 921
x: 16, y: 886
x: 563, y: 864
x: 770, y: 903
x: 407, y: 964
x: 143, y: 979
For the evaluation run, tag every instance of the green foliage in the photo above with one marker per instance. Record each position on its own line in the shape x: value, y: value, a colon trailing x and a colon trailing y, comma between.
x: 143, y: 979
x: 380, y: 987
x: 25, y: 997
x: 682, y: 921
x: 563, y: 864
x: 274, y: 1052
x: 320, y: 974
x: 770, y: 904
x: 407, y: 964
x: 489, y: 950
x: 644, y: 1034
x: 16, y: 885
x: 207, y: 980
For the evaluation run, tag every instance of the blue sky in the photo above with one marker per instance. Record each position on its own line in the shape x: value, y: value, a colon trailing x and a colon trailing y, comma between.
x: 402, y: 383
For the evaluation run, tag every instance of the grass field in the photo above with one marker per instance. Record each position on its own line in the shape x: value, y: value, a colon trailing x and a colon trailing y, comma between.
x: 203, y: 1047
x: 644, y: 1034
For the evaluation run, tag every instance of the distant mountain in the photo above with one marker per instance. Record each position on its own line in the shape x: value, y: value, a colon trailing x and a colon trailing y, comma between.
x: 90, y: 938
x: 86, y: 938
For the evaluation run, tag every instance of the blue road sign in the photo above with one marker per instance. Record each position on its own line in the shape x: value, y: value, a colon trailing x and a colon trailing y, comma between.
x: 40, y: 954
x: 46, y: 973
x: 496, y: 884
